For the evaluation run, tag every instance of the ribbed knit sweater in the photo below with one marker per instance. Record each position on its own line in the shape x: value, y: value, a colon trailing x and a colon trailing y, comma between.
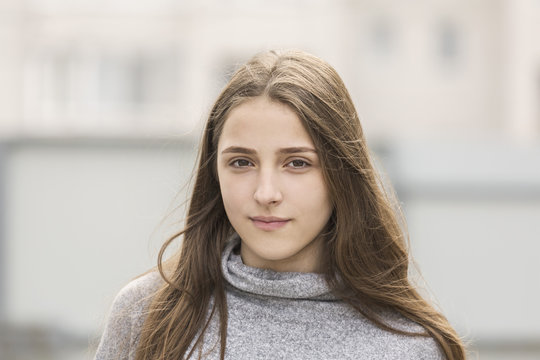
x: 271, y: 315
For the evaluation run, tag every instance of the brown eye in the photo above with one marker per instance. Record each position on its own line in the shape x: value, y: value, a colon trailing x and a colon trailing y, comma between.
x: 298, y: 164
x: 241, y: 163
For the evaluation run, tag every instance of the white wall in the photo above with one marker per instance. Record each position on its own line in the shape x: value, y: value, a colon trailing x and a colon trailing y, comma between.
x: 81, y: 221
x: 473, y: 211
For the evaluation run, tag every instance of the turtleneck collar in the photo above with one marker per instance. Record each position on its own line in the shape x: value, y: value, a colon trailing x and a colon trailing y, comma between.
x: 291, y: 285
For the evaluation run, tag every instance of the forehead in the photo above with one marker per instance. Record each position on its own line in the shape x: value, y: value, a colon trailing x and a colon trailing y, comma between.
x: 262, y: 122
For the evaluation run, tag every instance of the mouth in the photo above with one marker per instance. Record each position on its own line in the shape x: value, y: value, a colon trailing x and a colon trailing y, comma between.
x: 269, y: 223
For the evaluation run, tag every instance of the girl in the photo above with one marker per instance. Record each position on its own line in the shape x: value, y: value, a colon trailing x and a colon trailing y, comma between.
x: 291, y: 249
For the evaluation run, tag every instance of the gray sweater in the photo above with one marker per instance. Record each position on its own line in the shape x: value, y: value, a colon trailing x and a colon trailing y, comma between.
x: 272, y: 315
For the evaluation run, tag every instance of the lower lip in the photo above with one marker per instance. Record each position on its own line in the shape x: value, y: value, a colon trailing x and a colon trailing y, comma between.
x: 269, y: 226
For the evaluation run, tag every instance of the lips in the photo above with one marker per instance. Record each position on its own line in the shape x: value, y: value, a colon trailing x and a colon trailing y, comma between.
x: 269, y: 223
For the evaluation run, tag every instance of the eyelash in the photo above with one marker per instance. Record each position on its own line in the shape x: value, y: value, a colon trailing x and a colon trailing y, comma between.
x: 305, y: 164
x: 235, y: 164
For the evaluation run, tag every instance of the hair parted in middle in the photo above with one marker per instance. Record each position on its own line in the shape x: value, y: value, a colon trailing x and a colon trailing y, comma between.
x: 365, y: 256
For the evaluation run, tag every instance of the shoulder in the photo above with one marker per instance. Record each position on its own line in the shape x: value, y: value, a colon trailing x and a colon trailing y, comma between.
x: 138, y: 293
x: 129, y: 305
x: 410, y: 347
x: 126, y: 317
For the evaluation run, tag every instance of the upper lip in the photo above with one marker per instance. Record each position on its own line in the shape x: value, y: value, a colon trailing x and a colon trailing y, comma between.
x: 268, y: 219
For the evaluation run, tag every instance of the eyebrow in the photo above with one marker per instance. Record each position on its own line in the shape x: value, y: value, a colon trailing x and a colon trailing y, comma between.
x: 288, y: 150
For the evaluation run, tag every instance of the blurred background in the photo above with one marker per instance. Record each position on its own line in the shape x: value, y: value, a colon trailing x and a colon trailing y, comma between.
x: 102, y: 103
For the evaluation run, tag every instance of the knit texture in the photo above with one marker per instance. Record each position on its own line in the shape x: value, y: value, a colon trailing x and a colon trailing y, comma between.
x: 271, y: 315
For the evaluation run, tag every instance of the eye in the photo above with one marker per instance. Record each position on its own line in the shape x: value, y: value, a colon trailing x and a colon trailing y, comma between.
x: 241, y: 163
x: 298, y: 164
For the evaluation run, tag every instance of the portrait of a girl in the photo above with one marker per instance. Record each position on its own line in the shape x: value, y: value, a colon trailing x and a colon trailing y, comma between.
x: 292, y: 246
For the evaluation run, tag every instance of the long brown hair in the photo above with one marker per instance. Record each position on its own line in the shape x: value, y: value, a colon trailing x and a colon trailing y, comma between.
x: 366, y: 259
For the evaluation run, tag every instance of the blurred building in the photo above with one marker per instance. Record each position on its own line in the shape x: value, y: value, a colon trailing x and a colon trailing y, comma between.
x: 101, y: 105
x: 123, y: 67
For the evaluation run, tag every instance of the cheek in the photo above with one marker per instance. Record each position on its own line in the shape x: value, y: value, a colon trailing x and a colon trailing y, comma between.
x: 312, y: 190
x: 233, y: 193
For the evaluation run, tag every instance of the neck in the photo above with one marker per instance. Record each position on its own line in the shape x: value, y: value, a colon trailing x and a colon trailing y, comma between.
x: 307, y: 260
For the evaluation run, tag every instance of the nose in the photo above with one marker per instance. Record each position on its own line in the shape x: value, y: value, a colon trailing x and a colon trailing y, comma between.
x: 267, y: 191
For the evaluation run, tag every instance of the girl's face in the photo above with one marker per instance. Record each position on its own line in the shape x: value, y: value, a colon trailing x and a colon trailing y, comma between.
x: 272, y: 186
